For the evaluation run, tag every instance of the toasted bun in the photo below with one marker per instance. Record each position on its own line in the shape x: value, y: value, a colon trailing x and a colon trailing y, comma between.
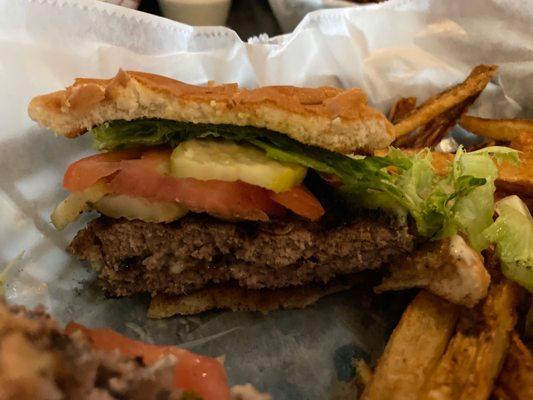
x: 238, y: 298
x: 336, y: 119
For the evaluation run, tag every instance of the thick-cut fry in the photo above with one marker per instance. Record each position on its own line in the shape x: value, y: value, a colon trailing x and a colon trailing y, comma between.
x: 476, y: 353
x: 517, y: 179
x: 524, y: 143
x: 498, y: 129
x: 473, y: 85
x: 413, y: 350
x: 401, y: 109
x: 516, y: 379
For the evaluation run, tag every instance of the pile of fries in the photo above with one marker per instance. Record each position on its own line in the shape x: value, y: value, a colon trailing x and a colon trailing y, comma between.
x: 440, y: 350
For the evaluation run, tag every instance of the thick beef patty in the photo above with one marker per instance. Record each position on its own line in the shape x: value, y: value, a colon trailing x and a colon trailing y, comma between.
x: 135, y: 257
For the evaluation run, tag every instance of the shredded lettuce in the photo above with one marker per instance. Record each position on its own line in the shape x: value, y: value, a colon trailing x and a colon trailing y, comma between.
x: 512, y: 232
x: 400, y: 183
x: 474, y: 211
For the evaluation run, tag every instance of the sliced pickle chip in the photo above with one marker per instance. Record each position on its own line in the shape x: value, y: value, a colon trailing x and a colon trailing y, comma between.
x: 224, y: 160
x: 123, y: 206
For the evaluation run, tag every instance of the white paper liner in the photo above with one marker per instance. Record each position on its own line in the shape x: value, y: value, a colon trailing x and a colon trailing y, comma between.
x: 393, y: 49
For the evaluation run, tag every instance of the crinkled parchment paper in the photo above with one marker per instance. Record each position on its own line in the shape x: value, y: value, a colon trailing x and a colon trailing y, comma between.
x: 290, y: 12
x: 394, y: 49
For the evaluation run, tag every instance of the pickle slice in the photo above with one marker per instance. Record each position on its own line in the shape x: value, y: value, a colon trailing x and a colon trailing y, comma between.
x: 223, y: 160
x: 123, y: 206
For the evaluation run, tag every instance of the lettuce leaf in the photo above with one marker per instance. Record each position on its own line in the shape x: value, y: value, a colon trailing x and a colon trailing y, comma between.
x: 399, y: 183
x: 152, y: 132
x: 513, y: 234
x: 474, y: 211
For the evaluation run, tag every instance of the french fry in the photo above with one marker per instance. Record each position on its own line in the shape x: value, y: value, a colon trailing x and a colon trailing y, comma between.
x: 497, y: 129
x: 517, y: 179
x: 524, y: 143
x: 413, y: 350
x: 430, y: 134
x: 472, y: 86
x: 516, y: 379
x: 401, y: 109
x: 476, y: 353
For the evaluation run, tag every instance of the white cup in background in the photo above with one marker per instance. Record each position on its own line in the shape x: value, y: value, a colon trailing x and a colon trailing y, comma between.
x: 196, y: 12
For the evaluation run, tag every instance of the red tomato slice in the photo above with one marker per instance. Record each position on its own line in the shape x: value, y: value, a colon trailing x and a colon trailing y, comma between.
x: 143, y: 175
x: 200, y: 374
x: 87, y: 171
x: 300, y: 201
x: 225, y: 199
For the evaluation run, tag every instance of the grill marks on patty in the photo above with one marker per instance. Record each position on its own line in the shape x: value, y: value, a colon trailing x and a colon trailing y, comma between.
x: 198, y: 251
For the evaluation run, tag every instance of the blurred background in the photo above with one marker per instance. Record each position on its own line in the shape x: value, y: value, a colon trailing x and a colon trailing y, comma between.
x: 247, y: 17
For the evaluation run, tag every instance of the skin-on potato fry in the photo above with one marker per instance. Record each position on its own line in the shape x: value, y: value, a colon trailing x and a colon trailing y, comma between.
x: 497, y: 129
x: 430, y: 134
x: 516, y: 379
x: 401, y: 109
x: 516, y: 179
x: 473, y: 85
x: 476, y: 353
x: 414, y: 349
x: 524, y: 143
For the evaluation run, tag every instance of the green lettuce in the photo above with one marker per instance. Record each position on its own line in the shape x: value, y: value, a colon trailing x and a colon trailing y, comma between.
x: 400, y: 183
x: 152, y: 132
x: 474, y: 212
x: 512, y: 232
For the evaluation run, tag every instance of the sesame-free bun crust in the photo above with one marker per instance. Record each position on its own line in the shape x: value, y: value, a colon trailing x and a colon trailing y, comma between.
x: 236, y: 298
x: 336, y: 119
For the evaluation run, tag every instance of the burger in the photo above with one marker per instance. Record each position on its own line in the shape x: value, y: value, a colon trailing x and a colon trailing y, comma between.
x: 41, y: 361
x: 217, y: 196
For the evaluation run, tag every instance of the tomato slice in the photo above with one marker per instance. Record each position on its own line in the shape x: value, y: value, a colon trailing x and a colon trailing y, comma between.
x: 200, y: 374
x: 143, y: 178
x: 87, y: 171
x: 300, y: 201
x: 144, y: 175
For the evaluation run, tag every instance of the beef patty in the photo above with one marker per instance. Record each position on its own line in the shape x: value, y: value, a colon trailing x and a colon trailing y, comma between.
x: 198, y: 250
